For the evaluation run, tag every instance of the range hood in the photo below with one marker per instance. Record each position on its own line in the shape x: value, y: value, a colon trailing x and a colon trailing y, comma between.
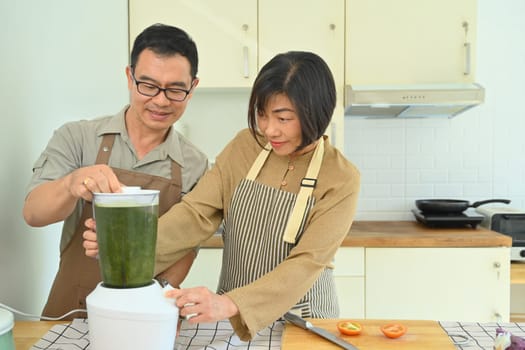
x: 414, y: 101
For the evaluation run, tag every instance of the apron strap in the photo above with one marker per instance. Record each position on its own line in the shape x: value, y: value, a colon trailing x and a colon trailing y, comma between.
x: 259, y: 162
x: 307, y: 186
x: 104, y: 150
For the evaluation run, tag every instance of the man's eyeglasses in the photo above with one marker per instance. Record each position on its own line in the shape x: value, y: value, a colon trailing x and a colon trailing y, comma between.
x: 151, y: 90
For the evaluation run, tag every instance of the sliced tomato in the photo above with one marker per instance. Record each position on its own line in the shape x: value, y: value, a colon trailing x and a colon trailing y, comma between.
x: 393, y: 330
x: 349, y: 327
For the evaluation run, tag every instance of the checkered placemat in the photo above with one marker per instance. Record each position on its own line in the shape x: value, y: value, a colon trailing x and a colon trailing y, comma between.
x: 71, y: 336
x: 218, y: 335
x: 479, y: 335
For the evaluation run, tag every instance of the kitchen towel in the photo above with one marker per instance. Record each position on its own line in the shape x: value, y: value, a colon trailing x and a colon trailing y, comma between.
x: 217, y: 335
x: 480, y: 335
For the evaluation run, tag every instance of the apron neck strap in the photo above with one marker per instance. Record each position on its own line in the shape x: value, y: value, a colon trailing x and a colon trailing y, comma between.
x: 307, y: 186
x: 259, y: 162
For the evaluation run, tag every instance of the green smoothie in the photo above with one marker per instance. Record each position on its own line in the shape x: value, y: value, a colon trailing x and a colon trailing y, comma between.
x: 126, y: 237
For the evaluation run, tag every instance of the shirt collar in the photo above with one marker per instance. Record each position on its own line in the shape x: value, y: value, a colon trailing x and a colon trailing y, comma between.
x: 116, y: 125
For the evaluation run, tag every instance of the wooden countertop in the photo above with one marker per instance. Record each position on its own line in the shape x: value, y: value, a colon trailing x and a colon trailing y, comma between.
x: 27, y: 333
x: 426, y: 335
x: 409, y: 234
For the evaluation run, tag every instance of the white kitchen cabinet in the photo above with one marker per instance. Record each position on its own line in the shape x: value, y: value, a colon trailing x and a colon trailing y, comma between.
x: 315, y: 25
x: 292, y: 25
x: 237, y: 37
x: 349, y: 276
x: 449, y: 284
x: 410, y: 41
x: 233, y: 35
x: 517, y: 302
x: 225, y: 33
x: 206, y: 269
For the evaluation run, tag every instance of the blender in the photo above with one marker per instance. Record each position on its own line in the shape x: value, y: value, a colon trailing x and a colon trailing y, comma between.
x: 128, y: 310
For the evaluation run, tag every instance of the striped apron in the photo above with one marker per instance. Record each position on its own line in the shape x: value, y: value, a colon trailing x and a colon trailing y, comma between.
x: 257, y: 236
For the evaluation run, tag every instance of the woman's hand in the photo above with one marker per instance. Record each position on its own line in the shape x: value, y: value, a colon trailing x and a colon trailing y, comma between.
x: 90, y: 238
x: 199, y: 304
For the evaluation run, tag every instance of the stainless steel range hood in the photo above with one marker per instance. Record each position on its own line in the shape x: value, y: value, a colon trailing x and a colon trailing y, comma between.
x: 414, y: 101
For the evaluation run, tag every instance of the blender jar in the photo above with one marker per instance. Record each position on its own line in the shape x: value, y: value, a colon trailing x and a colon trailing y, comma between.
x: 126, y: 234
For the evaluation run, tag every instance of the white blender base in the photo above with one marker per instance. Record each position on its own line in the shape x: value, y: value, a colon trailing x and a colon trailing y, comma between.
x: 132, y: 319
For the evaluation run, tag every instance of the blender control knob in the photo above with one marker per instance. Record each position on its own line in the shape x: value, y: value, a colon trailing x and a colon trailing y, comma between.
x: 522, y: 253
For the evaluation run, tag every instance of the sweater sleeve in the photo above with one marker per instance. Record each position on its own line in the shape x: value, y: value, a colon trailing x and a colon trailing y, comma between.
x: 197, y: 217
x: 329, y: 223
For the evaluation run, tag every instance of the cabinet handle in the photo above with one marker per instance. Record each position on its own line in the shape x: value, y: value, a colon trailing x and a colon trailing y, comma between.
x: 467, y: 58
x: 497, y: 316
x: 246, y: 55
x: 466, y: 45
x: 246, y: 61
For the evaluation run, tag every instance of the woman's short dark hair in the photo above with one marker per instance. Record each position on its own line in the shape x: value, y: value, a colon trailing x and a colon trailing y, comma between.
x: 306, y: 80
x: 166, y: 40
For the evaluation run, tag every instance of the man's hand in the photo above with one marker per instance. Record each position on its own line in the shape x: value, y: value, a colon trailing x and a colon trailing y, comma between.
x: 90, y: 238
x: 96, y: 178
x: 65, y: 192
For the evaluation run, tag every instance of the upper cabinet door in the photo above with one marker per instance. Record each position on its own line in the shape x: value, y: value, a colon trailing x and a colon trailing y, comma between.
x: 292, y: 25
x: 225, y: 33
x: 315, y: 25
x: 410, y: 41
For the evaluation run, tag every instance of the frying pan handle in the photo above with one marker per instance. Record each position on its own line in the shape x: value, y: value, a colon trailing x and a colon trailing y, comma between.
x: 477, y: 204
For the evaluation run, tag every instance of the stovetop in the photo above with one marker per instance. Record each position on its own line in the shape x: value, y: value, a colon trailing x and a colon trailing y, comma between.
x: 467, y: 218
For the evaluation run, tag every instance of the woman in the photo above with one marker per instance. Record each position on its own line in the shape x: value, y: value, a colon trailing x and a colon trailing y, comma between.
x: 287, y: 198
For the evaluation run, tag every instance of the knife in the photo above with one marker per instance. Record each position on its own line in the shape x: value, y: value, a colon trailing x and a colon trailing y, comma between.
x: 302, y: 323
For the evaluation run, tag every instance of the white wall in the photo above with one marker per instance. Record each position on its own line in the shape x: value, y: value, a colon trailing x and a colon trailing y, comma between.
x: 61, y: 60
x: 477, y: 155
x: 64, y: 60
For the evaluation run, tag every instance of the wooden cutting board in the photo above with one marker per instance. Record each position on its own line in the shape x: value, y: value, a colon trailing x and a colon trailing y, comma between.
x: 427, y: 335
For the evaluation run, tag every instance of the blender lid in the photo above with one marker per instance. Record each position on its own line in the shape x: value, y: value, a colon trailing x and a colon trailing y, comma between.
x: 131, y: 198
x: 141, y: 303
x: 7, y: 321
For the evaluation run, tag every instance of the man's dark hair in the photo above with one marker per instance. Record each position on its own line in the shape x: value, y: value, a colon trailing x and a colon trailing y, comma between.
x: 165, y: 40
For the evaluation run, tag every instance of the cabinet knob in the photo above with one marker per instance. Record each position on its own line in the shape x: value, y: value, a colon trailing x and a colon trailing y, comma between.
x: 497, y: 264
x: 245, y: 27
x: 331, y: 26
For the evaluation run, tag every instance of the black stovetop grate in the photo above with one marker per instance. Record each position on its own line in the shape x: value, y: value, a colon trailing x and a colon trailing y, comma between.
x: 448, y: 220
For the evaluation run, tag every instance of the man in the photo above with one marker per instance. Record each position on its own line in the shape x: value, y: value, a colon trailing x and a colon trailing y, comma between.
x: 138, y: 146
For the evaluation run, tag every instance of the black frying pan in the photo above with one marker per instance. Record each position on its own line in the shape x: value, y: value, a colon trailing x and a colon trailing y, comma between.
x: 451, y: 206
